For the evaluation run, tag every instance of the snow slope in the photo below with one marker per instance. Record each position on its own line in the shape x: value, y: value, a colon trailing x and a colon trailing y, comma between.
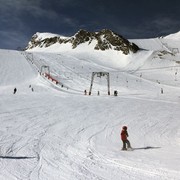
x: 11, y: 62
x: 56, y: 132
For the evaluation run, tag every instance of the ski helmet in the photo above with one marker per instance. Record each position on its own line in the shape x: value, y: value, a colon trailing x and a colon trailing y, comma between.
x: 124, y: 127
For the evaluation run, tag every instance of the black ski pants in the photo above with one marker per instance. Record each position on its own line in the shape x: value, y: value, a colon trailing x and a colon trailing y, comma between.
x: 126, y: 142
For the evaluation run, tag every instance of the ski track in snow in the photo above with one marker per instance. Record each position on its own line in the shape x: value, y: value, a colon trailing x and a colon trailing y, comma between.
x: 61, y: 152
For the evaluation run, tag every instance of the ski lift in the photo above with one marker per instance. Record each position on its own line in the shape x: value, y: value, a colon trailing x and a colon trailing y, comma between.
x: 99, y: 74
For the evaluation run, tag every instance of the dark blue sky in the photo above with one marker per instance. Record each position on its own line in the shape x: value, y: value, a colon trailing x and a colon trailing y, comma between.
x: 20, y: 19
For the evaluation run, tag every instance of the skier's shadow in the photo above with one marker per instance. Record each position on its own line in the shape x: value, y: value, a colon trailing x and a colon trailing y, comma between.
x: 146, y: 148
x: 18, y: 157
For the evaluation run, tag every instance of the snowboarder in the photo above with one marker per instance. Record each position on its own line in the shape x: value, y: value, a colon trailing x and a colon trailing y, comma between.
x: 15, y: 90
x: 124, y: 135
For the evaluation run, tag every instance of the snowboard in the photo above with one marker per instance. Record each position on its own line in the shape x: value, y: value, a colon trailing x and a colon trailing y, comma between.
x: 128, y: 149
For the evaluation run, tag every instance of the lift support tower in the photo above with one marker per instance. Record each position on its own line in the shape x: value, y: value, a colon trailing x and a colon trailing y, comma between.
x: 99, y: 74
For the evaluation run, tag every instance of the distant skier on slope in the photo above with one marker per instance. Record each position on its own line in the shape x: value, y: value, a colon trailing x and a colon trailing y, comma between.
x: 15, y: 90
x: 124, y: 135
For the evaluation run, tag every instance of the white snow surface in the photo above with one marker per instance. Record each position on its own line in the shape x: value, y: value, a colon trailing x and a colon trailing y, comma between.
x: 175, y: 36
x: 57, y: 133
x: 42, y: 36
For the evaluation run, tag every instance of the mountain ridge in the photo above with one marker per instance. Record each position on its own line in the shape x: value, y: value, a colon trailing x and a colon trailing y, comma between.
x: 104, y: 40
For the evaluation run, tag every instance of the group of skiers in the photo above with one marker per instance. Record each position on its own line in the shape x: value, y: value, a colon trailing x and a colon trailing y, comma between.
x: 15, y: 89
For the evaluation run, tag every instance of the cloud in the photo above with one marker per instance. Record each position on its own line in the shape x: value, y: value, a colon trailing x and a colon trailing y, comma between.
x: 18, y: 5
x: 69, y: 21
x: 159, y: 26
x: 18, y: 13
x: 32, y: 7
x: 12, y: 40
x: 149, y: 28
x: 66, y: 2
x: 165, y: 24
x: 20, y: 19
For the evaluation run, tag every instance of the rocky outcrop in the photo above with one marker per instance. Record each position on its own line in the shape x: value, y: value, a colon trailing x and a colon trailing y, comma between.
x: 106, y: 39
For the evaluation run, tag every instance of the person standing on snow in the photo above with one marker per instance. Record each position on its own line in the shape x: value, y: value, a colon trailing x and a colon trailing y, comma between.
x: 124, y: 135
x: 15, y: 90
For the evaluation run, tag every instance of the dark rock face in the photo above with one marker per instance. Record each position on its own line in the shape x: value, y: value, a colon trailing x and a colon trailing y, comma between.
x: 106, y: 39
x: 80, y: 37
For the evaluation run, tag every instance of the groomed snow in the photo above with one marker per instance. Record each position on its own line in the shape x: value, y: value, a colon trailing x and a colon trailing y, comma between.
x: 56, y: 132
x: 175, y: 36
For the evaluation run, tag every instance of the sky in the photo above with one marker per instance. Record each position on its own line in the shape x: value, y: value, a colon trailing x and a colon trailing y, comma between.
x: 133, y: 19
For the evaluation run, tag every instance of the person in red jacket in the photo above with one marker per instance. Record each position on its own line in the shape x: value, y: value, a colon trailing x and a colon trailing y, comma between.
x: 124, y: 135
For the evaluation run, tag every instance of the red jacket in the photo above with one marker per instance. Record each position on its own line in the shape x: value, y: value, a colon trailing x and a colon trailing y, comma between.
x: 124, y: 135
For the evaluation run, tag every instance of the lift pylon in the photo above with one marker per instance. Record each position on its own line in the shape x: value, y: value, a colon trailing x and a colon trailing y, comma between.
x: 100, y: 74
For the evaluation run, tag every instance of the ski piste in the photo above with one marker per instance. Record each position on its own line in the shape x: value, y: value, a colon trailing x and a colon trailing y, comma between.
x: 76, y: 136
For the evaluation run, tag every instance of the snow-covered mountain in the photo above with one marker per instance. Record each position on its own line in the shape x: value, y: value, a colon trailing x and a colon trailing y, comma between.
x: 51, y: 130
x: 102, y: 40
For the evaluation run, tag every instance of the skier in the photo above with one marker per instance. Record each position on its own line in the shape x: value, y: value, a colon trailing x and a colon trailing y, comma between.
x: 161, y: 90
x: 15, y: 90
x: 124, y: 135
x: 115, y: 93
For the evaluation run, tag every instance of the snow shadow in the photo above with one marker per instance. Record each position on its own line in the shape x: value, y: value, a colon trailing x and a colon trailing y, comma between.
x: 18, y: 157
x: 145, y: 148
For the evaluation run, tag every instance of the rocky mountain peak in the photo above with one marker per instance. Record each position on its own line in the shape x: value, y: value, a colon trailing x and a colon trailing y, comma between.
x: 105, y: 39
